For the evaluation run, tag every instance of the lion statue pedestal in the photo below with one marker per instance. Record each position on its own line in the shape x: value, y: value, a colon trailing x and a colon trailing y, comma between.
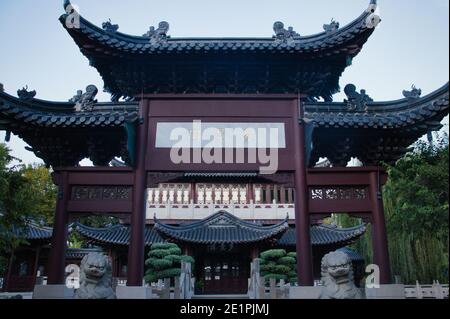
x: 95, y: 278
x: 337, y: 277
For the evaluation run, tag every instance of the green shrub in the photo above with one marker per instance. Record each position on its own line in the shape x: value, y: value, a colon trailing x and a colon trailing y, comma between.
x: 278, y: 264
x: 273, y: 254
x: 287, y: 260
x: 292, y: 254
x: 164, y: 261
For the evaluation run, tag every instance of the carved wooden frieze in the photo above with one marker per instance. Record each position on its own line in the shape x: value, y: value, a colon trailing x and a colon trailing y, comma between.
x: 83, y: 193
x: 338, y: 193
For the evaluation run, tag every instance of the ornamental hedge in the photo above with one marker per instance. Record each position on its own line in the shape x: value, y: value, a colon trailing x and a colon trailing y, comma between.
x: 164, y: 261
x: 278, y: 264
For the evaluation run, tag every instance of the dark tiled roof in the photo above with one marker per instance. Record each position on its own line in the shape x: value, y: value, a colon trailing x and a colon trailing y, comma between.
x: 116, y: 235
x: 221, y: 227
x: 406, y: 113
x: 286, y: 62
x: 49, y: 114
x: 320, y: 235
x: 354, y: 33
x: 325, y: 235
x: 32, y: 231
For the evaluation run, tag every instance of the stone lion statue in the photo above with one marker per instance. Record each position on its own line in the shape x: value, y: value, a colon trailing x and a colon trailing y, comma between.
x: 337, y: 277
x: 95, y: 278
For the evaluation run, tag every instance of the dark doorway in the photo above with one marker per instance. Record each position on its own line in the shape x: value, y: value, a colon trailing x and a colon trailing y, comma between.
x: 223, y: 273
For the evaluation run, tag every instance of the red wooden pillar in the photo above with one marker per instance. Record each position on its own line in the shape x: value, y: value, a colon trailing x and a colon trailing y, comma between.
x: 379, y: 233
x: 302, y: 222
x: 254, y: 253
x: 59, y: 239
x: 36, y: 264
x: 136, y: 249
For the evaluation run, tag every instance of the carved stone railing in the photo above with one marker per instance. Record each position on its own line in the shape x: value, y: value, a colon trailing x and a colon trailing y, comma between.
x: 183, y: 287
x: 257, y: 285
x: 199, y: 211
x: 434, y: 291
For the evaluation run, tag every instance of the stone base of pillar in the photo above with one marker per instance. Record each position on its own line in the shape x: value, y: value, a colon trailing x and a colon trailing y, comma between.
x: 304, y: 292
x: 53, y: 292
x: 125, y: 292
x: 386, y: 292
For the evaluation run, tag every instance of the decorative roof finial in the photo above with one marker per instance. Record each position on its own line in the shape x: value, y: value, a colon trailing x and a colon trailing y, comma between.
x: 26, y: 95
x: 415, y: 93
x: 160, y: 34
x: 2, y: 89
x: 333, y: 26
x: 85, y: 102
x: 373, y: 19
x: 356, y: 101
x: 283, y: 35
x: 109, y: 27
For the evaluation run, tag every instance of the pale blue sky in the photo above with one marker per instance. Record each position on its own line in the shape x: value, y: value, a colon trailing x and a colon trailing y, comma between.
x: 410, y: 46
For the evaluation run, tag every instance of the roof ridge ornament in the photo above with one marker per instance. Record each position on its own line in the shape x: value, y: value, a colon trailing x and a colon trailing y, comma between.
x: 283, y: 35
x: 414, y: 94
x: 373, y: 19
x: 2, y: 88
x: 109, y: 27
x: 356, y: 101
x: 160, y: 34
x: 26, y: 95
x: 84, y: 102
x: 332, y: 27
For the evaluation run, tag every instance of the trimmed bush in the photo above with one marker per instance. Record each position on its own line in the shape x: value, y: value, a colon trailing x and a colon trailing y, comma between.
x: 292, y: 254
x: 287, y: 260
x: 273, y: 254
x: 164, y: 261
x: 278, y: 264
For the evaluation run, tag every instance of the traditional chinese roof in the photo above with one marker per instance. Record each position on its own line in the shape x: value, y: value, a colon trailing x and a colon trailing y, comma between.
x: 221, y: 227
x: 116, y: 235
x: 232, y: 230
x: 63, y: 133
x: 373, y: 131
x: 34, y: 232
x: 323, y: 235
x: 158, y: 63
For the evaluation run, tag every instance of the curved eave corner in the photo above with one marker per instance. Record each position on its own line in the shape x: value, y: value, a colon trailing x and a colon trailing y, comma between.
x: 420, y: 113
x: 16, y: 112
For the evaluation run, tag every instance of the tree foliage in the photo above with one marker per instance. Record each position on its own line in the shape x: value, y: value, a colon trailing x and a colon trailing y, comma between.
x: 417, y: 217
x: 27, y: 194
x: 416, y: 207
